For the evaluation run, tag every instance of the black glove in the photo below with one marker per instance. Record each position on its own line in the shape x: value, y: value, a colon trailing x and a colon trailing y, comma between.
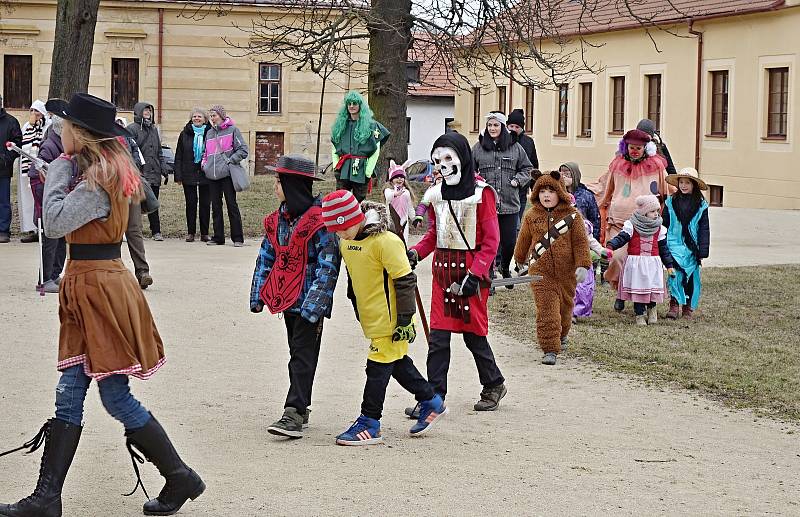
x: 404, y: 331
x: 257, y: 308
x: 471, y: 286
x: 413, y: 258
x: 166, y: 179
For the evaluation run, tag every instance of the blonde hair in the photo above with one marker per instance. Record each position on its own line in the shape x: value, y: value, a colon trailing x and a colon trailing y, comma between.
x: 390, y: 185
x: 105, y: 162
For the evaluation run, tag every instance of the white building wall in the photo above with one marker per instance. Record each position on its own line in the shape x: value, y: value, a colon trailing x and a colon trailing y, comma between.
x: 428, y: 116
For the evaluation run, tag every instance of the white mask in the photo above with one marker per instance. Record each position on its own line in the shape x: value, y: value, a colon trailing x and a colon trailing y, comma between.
x: 447, y: 163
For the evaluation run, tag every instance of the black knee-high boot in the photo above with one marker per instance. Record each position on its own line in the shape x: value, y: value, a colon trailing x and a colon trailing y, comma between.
x: 60, y: 442
x: 182, y: 484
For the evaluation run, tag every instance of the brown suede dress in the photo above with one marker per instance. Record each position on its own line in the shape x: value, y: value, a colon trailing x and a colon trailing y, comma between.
x: 106, y: 323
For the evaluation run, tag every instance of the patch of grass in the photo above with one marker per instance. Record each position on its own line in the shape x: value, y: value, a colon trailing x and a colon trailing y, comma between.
x: 742, y: 347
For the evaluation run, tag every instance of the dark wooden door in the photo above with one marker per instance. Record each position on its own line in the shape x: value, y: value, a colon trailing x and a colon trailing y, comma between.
x: 269, y: 147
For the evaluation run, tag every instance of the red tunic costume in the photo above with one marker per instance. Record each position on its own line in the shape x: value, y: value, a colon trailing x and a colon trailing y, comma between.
x: 452, y: 257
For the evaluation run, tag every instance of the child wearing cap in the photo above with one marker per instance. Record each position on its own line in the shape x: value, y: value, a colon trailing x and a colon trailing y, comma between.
x: 398, y: 196
x: 686, y: 219
x: 384, y: 308
x: 642, y: 280
x: 295, y: 275
x: 552, y: 240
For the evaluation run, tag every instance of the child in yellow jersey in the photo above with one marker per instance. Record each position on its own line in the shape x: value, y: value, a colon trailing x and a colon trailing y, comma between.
x: 381, y: 287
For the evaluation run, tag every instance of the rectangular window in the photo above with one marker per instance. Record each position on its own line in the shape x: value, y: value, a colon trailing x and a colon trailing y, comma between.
x: 125, y: 83
x: 618, y: 105
x: 17, y: 81
x: 529, y: 91
x: 412, y: 72
x: 269, y: 88
x: 778, y: 102
x: 563, y: 104
x: 586, y: 110
x: 501, y: 99
x: 719, y: 103
x: 654, y: 99
x: 476, y: 109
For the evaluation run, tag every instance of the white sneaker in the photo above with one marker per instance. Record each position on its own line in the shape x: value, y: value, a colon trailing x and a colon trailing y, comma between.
x: 50, y: 287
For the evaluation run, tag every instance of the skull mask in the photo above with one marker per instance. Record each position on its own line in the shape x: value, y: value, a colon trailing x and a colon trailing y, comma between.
x: 447, y: 163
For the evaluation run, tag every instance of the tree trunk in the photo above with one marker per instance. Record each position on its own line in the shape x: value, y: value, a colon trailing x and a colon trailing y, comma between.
x: 72, y: 48
x: 390, y: 38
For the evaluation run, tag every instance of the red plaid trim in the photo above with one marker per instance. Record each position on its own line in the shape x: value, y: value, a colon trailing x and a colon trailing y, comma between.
x: 134, y: 371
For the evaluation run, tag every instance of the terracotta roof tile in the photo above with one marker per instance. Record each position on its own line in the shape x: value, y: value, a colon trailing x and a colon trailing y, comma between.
x: 433, y: 73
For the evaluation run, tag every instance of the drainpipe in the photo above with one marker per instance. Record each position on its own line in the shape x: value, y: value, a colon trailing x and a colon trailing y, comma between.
x: 510, y: 88
x: 160, y: 61
x: 699, y: 93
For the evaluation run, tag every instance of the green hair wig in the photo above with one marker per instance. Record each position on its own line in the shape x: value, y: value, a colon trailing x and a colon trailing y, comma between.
x: 363, y: 128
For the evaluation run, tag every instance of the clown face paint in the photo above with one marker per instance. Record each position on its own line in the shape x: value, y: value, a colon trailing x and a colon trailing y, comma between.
x: 447, y: 163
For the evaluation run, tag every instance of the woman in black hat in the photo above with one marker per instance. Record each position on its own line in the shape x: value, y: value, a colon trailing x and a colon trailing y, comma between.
x: 296, y: 274
x: 107, y: 331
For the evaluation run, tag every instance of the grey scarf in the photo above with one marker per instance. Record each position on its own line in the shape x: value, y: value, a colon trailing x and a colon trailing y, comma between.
x: 645, y: 226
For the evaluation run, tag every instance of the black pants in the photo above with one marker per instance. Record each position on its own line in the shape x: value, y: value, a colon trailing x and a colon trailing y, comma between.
x: 190, y: 194
x: 508, y: 238
x: 640, y: 308
x: 218, y: 188
x: 54, y: 253
x: 378, y: 374
x: 304, y: 341
x: 359, y: 190
x: 155, y: 220
x: 439, y: 360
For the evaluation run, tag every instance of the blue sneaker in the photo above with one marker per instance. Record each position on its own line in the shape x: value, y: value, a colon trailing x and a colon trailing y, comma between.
x: 364, y: 431
x: 430, y: 411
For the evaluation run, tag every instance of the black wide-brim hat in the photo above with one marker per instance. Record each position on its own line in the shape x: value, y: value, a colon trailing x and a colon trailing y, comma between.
x: 296, y: 165
x: 89, y: 112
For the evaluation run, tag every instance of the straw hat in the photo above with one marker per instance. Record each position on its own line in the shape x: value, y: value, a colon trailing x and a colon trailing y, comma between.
x: 687, y: 172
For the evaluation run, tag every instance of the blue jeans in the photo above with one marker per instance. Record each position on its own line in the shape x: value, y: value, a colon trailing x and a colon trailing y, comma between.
x: 114, y: 393
x: 5, y: 205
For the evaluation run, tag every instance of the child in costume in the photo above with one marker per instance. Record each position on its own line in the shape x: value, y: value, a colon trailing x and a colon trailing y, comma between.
x: 463, y: 236
x: 398, y: 196
x: 107, y: 331
x: 552, y: 240
x: 295, y: 275
x: 384, y: 308
x: 642, y: 279
x: 422, y: 207
x: 686, y: 219
x: 636, y: 170
x: 587, y: 206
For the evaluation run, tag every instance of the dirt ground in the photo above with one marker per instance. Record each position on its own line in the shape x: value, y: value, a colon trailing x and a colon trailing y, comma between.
x: 567, y: 440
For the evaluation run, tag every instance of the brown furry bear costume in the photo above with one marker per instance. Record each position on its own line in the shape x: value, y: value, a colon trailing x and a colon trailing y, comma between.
x: 556, y: 263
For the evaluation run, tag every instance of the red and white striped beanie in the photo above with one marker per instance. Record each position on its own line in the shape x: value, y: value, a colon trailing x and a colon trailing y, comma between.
x: 341, y: 210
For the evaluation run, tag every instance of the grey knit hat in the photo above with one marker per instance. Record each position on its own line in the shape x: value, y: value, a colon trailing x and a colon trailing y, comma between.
x: 647, y: 125
x: 219, y: 109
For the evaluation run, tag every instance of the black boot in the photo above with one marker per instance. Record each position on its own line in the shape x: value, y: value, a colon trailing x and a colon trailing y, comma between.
x: 182, y: 482
x: 60, y: 442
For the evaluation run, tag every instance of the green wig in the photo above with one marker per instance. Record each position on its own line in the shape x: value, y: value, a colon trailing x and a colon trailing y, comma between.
x: 363, y: 129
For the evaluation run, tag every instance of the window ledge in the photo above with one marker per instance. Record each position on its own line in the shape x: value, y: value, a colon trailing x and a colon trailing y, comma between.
x: 557, y: 135
x: 616, y: 133
x: 584, y: 137
x: 719, y: 136
x: 773, y: 139
x: 125, y: 33
x: 19, y: 30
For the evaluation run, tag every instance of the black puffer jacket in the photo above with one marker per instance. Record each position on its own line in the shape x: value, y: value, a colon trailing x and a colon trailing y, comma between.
x: 186, y: 170
x: 9, y: 132
x: 149, y: 142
